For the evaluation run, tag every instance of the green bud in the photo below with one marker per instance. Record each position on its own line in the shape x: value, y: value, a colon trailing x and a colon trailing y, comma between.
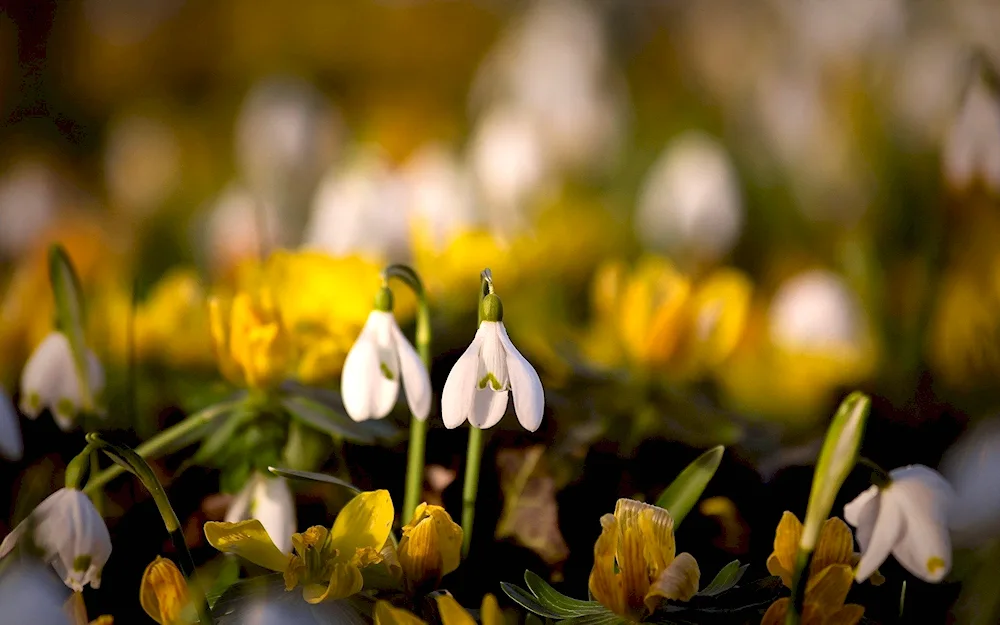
x: 492, y: 308
x: 383, y: 301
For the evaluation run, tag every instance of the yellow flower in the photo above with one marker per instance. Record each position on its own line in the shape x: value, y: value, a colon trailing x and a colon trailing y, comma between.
x: 634, y: 564
x: 76, y: 612
x: 251, y: 344
x: 430, y: 548
x: 449, y: 610
x: 326, y: 563
x: 164, y: 595
x: 824, y: 600
x: 450, y: 272
x: 172, y: 324
x: 651, y: 311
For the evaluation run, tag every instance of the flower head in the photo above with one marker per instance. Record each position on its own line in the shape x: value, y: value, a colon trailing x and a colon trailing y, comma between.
x: 326, y: 563
x: 835, y: 546
x: 430, y: 547
x: 491, y: 368
x: 824, y: 600
x: 11, y: 444
x: 635, y: 567
x: 50, y: 380
x: 908, y: 518
x: 164, y: 594
x: 449, y: 611
x: 251, y: 343
x: 71, y: 535
x: 269, y: 500
x: 375, y: 364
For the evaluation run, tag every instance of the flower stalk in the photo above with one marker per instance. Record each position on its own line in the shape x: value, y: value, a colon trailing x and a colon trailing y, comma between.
x: 418, y: 427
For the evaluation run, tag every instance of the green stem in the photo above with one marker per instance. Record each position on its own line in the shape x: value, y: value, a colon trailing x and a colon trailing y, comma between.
x: 474, y: 458
x: 879, y: 477
x: 162, y: 442
x: 797, y: 601
x: 418, y: 429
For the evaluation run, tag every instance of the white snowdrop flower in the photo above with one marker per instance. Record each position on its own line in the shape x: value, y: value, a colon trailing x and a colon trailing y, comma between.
x: 491, y: 368
x: 690, y: 202
x: 71, y: 534
x: 375, y: 363
x: 11, y: 444
x: 816, y: 311
x: 845, y: 31
x: 50, y: 380
x: 29, y: 200
x: 269, y: 500
x: 907, y: 518
x: 972, y: 145
x: 440, y: 194
x: 971, y: 466
x: 361, y: 209
x: 30, y: 593
x: 242, y: 225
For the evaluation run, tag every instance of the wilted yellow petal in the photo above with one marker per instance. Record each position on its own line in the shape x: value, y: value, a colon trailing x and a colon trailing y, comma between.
x: 163, y: 592
x: 678, y: 582
x: 420, y: 555
x: 247, y: 539
x: 489, y: 611
x: 657, y: 527
x: 345, y: 580
x: 452, y: 613
x: 387, y: 614
x: 365, y: 522
x: 835, y: 546
x: 775, y: 614
x: 829, y: 588
x: 786, y: 543
x: 605, y: 585
x: 849, y: 614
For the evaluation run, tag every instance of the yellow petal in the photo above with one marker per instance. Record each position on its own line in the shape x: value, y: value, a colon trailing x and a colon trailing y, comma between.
x: 775, y: 614
x: 646, y: 547
x: 835, y: 546
x: 105, y: 619
x: 452, y: 613
x: 365, y: 522
x: 605, y: 585
x: 774, y: 568
x: 849, y: 614
x: 218, y: 316
x: 345, y: 580
x: 786, y: 542
x: 387, y: 614
x: 678, y: 582
x: 719, y: 310
x: 657, y: 527
x: 247, y: 539
x: 489, y: 611
x: 829, y: 588
x: 430, y: 547
x: 163, y: 592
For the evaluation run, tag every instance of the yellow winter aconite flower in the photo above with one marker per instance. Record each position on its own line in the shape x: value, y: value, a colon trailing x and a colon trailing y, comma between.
x: 172, y: 324
x: 430, y: 548
x: 450, y: 611
x: 327, y: 563
x: 164, y: 595
x: 635, y: 568
x: 824, y: 600
x: 451, y: 270
x: 251, y: 344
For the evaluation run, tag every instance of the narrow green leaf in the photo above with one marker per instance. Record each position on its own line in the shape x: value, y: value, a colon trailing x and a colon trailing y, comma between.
x: 68, y: 297
x: 526, y: 600
x: 728, y: 577
x: 325, y: 419
x: 215, y: 442
x: 687, y: 488
x: 309, y: 476
x: 559, y: 603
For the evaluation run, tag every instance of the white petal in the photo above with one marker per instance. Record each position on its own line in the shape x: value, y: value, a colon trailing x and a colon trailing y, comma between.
x: 274, y: 507
x: 11, y: 444
x: 95, y: 375
x: 459, y: 391
x: 387, y: 390
x: 861, y: 513
x: 924, y: 497
x: 45, y: 373
x: 853, y: 510
x: 888, y: 530
x: 69, y: 527
x: 369, y: 384
x: 416, y: 379
x: 488, y: 408
x: 492, y: 371
x: 239, y: 507
x: 529, y: 398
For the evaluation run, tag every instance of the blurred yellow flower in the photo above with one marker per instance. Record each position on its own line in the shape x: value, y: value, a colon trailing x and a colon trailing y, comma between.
x: 430, y: 548
x: 172, y: 325
x: 635, y: 568
x: 250, y: 341
x: 451, y: 272
x: 964, y: 338
x: 449, y: 610
x: 326, y: 563
x: 164, y: 594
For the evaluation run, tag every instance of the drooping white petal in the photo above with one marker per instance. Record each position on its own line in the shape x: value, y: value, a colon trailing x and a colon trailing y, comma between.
x: 887, y: 531
x: 861, y: 513
x: 274, y: 507
x: 370, y: 381
x: 11, y: 443
x: 924, y: 498
x: 529, y: 398
x: 387, y: 389
x: 239, y: 507
x: 45, y: 373
x: 460, y: 388
x: 492, y: 371
x: 416, y: 379
x: 488, y: 408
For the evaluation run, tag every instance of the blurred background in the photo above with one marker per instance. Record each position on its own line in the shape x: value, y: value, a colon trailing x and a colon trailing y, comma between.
x: 708, y: 220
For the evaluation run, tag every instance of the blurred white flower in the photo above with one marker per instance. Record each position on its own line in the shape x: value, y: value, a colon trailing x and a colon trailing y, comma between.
x: 30, y: 593
x: 141, y: 163
x: 71, y: 534
x: 242, y: 225
x: 972, y: 466
x: 690, y: 202
x: 816, y: 311
x: 50, y: 380
x: 11, y: 444
x: 927, y: 79
x: 373, y: 368
x: 846, y: 31
x: 269, y: 500
x: 361, y: 209
x: 908, y: 518
x: 29, y: 200
x: 972, y: 145
x: 440, y: 194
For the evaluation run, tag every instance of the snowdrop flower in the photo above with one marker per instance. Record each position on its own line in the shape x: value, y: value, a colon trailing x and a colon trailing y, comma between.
x: 11, y: 445
x: 71, y: 534
x: 477, y: 387
x: 30, y: 194
x: 375, y: 364
x: 972, y: 145
x: 440, y: 194
x: 269, y: 500
x: 972, y: 466
x: 50, y: 380
x: 816, y: 311
x: 908, y: 517
x: 240, y: 225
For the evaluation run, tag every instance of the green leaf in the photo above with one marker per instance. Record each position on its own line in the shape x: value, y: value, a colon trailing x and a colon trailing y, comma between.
x: 557, y: 602
x: 686, y: 489
x: 526, y: 600
x: 217, y: 441
x: 607, y: 617
x: 68, y: 297
x: 309, y: 476
x: 728, y: 577
x: 325, y: 419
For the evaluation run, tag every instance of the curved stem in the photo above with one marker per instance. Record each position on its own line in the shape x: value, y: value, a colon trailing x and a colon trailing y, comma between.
x: 879, y: 477
x: 161, y: 443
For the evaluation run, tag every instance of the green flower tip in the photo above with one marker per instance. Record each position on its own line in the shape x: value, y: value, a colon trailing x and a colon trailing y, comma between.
x: 492, y: 308
x: 383, y: 300
x: 82, y: 562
